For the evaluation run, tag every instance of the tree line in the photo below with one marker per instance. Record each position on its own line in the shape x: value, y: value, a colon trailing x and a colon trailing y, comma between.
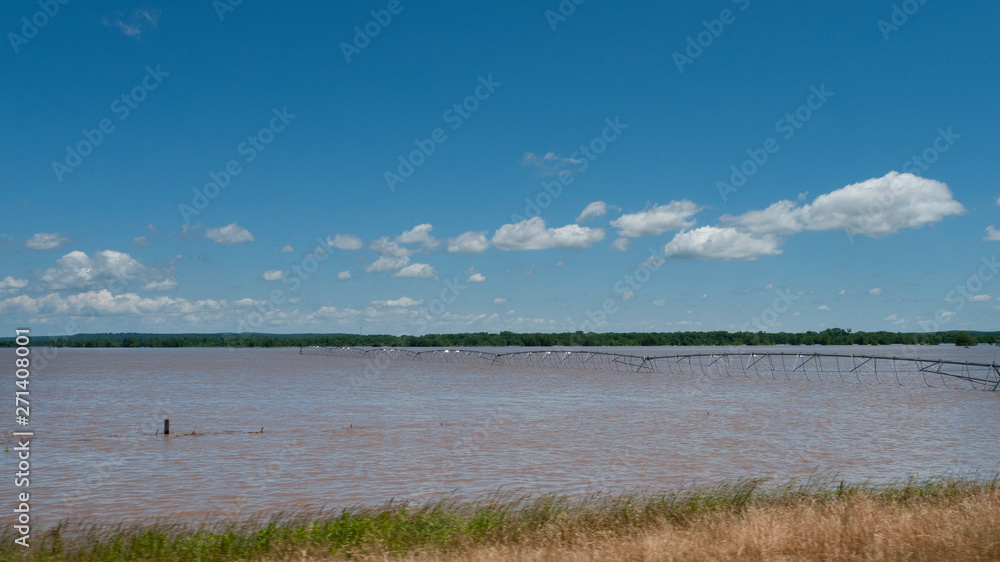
x: 832, y: 336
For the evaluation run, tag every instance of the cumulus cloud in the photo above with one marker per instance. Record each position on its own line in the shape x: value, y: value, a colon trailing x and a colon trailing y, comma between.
x: 420, y: 234
x: 823, y: 307
x: 230, y: 235
x: 783, y: 217
x: 620, y: 245
x: 10, y: 285
x: 392, y: 256
x: 469, y: 243
x: 344, y: 275
x: 387, y: 263
x: 876, y: 291
x: 273, y: 275
x: 108, y: 268
x: 46, y: 241
x: 499, y: 300
x: 417, y: 271
x: 881, y: 206
x: 659, y: 303
x: 595, y: 209
x: 875, y: 208
x: 992, y: 234
x: 77, y: 270
x: 385, y: 247
x: 141, y: 242
x: 288, y: 249
x: 532, y: 234
x: 476, y: 278
x: 400, y: 302
x: 980, y: 298
x: 345, y: 242
x: 550, y: 164
x: 102, y: 302
x: 712, y: 242
x: 161, y: 285
x: 657, y: 219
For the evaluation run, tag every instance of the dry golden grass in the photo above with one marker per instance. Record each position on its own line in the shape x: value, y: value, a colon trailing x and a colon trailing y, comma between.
x: 936, y: 520
x: 857, y: 527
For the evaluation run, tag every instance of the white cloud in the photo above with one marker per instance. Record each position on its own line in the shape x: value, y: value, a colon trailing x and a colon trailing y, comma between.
x: 325, y: 312
x: 273, y: 275
x: 992, y: 234
x: 417, y: 271
x: 77, y: 270
x: 387, y: 263
x: 499, y: 300
x: 400, y: 302
x: 469, y: 243
x: 420, y: 234
x: 660, y: 303
x: 106, y: 269
x: 876, y: 291
x: 392, y: 257
x: 141, y: 242
x: 104, y: 303
x: 230, y: 235
x: 344, y: 275
x: 980, y: 298
x: 875, y: 207
x: 842, y: 293
x: 657, y: 220
x: 595, y: 209
x: 550, y: 164
x: 881, y: 206
x: 385, y: 247
x: 628, y: 295
x: 532, y: 234
x: 711, y: 242
x: 11, y: 285
x: 783, y: 217
x: 46, y: 241
x: 161, y: 285
x: 288, y: 249
x: 345, y: 242
x: 476, y: 278
x: 620, y: 245
x: 823, y: 307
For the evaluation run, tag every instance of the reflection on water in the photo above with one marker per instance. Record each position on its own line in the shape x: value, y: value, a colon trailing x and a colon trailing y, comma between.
x: 340, y: 431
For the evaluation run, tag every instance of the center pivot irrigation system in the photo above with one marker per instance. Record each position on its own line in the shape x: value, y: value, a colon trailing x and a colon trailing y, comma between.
x: 860, y: 369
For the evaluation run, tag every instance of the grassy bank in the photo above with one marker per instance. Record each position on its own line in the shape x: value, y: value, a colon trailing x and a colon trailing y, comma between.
x: 749, y: 520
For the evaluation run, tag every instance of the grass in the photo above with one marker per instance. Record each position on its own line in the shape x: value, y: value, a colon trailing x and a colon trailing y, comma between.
x: 746, y: 520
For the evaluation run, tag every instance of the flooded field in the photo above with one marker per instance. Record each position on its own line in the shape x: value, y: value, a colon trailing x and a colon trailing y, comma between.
x: 340, y: 431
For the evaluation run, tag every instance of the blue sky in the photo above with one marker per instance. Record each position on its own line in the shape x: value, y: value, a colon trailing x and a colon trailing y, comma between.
x: 410, y: 167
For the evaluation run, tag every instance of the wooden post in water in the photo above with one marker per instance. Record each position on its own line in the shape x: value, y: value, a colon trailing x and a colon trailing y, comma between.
x: 166, y: 427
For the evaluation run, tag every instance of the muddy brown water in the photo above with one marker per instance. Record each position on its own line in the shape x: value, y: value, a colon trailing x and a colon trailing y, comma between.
x: 340, y: 432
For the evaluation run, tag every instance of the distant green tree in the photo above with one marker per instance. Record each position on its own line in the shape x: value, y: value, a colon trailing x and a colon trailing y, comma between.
x: 965, y: 339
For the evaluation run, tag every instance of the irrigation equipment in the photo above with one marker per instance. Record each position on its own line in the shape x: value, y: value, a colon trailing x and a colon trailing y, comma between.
x: 858, y: 369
